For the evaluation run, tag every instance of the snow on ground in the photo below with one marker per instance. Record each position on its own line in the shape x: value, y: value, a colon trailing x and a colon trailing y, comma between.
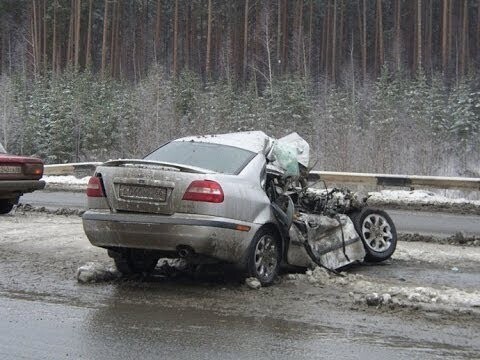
x: 369, y: 290
x: 416, y: 197
x: 412, y: 295
x: 452, y: 255
x: 66, y: 180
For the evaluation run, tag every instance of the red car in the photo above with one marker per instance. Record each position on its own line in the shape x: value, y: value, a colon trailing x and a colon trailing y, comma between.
x: 18, y: 175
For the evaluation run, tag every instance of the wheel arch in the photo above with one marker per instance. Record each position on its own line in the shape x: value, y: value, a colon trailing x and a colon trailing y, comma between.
x: 278, y: 233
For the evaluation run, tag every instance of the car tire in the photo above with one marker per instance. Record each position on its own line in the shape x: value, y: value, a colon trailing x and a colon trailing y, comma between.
x: 134, y: 261
x: 6, y: 205
x: 264, y: 256
x: 378, y: 233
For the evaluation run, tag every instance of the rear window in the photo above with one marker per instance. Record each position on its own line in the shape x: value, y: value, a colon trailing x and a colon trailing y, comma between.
x: 215, y: 157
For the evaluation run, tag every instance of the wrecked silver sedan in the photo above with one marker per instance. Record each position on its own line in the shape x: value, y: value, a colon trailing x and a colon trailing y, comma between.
x: 240, y: 198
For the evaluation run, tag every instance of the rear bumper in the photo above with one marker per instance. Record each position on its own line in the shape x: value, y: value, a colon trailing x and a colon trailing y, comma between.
x: 206, y: 235
x: 9, y: 188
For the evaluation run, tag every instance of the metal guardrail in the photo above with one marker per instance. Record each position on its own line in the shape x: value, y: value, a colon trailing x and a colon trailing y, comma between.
x: 76, y: 169
x: 410, y: 181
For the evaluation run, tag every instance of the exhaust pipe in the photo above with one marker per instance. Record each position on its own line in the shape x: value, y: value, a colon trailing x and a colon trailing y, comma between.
x: 185, y: 251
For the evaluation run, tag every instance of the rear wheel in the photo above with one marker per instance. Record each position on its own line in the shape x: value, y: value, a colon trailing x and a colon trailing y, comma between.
x: 6, y: 205
x: 264, y: 256
x: 378, y: 233
x: 134, y: 261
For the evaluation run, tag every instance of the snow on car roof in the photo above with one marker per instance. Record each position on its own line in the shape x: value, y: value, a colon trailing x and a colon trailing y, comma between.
x: 255, y: 141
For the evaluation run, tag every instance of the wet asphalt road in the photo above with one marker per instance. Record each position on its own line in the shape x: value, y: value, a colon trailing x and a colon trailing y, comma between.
x: 46, y: 314
x: 425, y: 223
x: 38, y: 330
x: 122, y: 330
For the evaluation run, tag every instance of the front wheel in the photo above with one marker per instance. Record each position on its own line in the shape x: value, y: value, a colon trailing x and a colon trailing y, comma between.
x: 377, y: 232
x: 264, y: 256
x: 134, y: 261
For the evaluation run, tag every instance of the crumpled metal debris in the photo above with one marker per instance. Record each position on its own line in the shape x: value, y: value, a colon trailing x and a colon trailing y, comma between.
x: 334, y: 242
x: 253, y: 283
x: 330, y: 201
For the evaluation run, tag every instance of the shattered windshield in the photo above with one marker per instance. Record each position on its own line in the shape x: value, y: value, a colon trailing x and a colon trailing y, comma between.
x: 219, y: 158
x: 2, y: 149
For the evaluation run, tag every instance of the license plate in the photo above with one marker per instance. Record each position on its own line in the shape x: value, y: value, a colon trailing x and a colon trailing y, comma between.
x: 10, y: 169
x: 150, y: 193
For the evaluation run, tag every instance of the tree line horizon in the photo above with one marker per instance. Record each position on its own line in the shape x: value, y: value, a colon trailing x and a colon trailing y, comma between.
x: 242, y: 40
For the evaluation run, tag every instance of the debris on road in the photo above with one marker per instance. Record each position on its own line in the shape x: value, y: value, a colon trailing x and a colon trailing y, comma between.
x: 92, y: 272
x: 253, y: 283
x: 23, y: 208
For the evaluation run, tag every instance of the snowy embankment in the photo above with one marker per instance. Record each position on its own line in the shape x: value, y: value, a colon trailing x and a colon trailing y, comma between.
x: 417, y: 197
x: 422, y: 200
x: 447, y: 262
x: 66, y: 183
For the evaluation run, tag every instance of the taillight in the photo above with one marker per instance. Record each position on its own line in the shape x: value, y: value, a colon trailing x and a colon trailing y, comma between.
x: 204, y: 190
x: 33, y: 169
x: 94, y: 187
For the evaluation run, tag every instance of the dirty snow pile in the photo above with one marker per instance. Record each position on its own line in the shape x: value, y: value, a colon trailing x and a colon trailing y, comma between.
x: 66, y: 180
x: 406, y: 197
x: 367, y: 291
x: 372, y: 293
x: 434, y: 253
x: 92, y: 272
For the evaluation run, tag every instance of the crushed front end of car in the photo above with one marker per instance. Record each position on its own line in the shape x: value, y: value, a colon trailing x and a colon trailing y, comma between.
x: 330, y: 228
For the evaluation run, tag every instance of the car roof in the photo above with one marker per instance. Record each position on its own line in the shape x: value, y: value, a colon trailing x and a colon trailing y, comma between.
x: 254, y: 141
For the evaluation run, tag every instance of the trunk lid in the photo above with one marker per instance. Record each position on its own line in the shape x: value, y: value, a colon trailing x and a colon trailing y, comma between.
x: 148, y: 186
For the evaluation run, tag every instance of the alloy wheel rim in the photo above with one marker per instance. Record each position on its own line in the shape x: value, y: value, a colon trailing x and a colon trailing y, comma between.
x: 377, y: 232
x: 266, y: 256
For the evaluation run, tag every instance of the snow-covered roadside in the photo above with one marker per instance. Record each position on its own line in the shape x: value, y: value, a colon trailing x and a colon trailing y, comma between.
x: 416, y: 293
x: 450, y: 255
x: 371, y: 291
x: 419, y: 199
x: 67, y: 180
x: 65, y: 183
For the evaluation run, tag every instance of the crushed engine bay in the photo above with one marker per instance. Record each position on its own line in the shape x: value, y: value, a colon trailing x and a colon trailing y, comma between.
x: 317, y: 222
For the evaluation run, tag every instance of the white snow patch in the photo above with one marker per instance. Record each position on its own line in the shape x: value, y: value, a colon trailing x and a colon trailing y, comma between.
x: 67, y: 179
x: 455, y: 256
x: 93, y: 272
x: 416, y: 197
x: 421, y: 294
x: 253, y: 283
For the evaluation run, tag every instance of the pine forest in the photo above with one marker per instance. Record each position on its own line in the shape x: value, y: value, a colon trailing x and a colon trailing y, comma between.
x: 389, y: 86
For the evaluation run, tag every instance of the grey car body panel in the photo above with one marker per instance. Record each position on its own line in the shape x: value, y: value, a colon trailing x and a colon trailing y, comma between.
x: 168, y: 222
x: 164, y: 225
x: 206, y: 235
x: 245, y: 199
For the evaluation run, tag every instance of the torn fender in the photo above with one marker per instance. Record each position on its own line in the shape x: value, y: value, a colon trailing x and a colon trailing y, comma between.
x: 334, y: 241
